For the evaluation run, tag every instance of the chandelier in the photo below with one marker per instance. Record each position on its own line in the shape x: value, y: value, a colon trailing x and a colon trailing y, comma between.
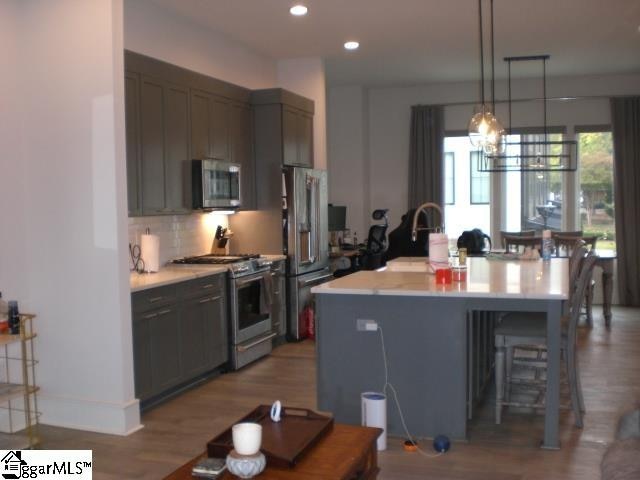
x: 548, y: 154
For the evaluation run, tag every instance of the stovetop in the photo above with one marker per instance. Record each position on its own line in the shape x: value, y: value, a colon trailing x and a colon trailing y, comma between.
x: 240, y: 265
x: 217, y: 259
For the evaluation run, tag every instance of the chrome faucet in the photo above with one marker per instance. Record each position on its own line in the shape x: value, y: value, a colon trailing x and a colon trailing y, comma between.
x: 419, y: 210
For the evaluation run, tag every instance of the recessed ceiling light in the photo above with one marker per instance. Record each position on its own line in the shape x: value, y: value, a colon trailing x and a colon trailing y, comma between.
x: 351, y: 45
x: 298, y: 10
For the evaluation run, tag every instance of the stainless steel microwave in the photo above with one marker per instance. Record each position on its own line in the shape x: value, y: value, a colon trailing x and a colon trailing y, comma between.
x: 215, y: 184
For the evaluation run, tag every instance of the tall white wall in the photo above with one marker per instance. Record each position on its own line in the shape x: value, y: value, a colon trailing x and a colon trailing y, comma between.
x: 64, y: 250
x: 306, y: 77
x: 151, y: 30
x: 348, y: 156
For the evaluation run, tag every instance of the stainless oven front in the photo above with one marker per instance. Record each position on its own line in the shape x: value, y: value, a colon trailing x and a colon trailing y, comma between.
x: 251, y: 333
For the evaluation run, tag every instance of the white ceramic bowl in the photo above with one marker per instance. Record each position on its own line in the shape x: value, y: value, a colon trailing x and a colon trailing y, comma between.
x: 247, y: 438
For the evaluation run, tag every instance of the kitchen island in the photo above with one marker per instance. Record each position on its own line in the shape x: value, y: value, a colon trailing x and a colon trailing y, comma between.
x: 427, y: 333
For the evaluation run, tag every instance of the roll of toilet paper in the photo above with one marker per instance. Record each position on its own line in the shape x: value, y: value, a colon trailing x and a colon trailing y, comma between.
x: 150, y: 252
x: 374, y: 414
x: 438, y: 250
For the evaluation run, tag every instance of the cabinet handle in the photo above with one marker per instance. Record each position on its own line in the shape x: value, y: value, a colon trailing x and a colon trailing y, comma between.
x: 210, y: 299
x: 164, y: 312
x: 276, y: 292
x: 150, y: 316
x: 155, y: 299
x: 208, y: 285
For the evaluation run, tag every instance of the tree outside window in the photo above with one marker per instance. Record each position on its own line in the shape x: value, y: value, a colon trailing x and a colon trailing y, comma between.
x: 595, y: 150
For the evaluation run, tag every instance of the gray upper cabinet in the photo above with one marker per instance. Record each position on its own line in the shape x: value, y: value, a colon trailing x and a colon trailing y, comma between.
x: 241, y: 152
x: 165, y: 144
x: 132, y: 109
x: 292, y: 115
x: 174, y: 115
x: 177, y: 145
x: 152, y: 142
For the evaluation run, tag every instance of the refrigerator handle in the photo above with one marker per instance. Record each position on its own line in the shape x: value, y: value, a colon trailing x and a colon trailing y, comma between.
x: 316, y: 219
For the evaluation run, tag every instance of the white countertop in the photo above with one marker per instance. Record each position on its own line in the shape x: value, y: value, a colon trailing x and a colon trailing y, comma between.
x: 180, y: 273
x: 485, y: 278
x: 171, y: 274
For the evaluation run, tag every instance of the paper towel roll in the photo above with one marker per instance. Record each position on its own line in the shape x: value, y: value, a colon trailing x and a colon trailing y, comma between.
x: 374, y: 414
x: 150, y: 252
x: 438, y: 250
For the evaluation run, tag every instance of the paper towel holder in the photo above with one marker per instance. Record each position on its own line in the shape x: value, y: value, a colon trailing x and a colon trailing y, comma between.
x: 419, y: 210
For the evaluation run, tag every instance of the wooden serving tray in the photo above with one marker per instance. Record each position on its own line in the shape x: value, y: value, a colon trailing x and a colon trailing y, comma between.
x: 283, y: 442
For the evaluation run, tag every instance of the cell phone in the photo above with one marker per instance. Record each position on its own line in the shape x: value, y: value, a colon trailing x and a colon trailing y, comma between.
x: 209, y: 467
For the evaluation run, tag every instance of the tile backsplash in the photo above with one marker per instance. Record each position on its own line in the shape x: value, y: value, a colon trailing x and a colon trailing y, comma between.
x: 180, y: 235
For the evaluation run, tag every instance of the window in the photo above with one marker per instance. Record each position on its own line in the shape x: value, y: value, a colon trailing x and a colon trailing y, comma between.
x: 449, y: 178
x: 460, y: 214
x: 480, y: 186
x: 595, y: 160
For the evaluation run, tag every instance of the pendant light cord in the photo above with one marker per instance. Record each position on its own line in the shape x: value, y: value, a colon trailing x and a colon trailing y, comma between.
x: 481, y: 54
x: 493, y: 69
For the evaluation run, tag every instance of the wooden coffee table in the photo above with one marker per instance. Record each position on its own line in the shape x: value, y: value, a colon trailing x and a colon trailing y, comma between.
x: 346, y: 453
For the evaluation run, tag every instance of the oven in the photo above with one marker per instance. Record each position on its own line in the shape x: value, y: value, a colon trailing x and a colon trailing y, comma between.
x: 250, y: 308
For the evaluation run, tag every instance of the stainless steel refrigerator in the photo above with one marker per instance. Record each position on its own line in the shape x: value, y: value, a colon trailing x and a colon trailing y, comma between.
x: 291, y: 219
x: 305, y: 239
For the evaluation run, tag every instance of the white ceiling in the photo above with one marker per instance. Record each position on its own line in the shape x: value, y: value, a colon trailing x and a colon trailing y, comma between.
x: 418, y: 41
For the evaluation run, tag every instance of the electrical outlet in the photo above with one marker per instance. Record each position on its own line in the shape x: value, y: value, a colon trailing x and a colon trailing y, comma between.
x: 366, y: 325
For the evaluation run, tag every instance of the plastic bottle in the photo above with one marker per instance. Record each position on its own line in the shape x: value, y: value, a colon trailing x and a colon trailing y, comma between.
x: 547, y: 245
x: 4, y: 315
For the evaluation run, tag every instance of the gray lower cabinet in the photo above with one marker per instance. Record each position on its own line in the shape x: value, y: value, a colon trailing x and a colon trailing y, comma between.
x: 179, y: 334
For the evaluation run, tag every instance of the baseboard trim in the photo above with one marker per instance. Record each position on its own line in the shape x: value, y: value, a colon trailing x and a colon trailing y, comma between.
x: 90, y: 415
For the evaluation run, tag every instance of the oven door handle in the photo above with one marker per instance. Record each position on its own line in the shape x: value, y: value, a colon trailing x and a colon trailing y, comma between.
x: 244, y: 348
x: 245, y: 281
x: 313, y: 281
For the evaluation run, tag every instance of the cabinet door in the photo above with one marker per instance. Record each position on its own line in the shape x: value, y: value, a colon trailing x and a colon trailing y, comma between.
x: 242, y: 152
x: 219, y: 127
x: 289, y: 136
x: 152, y: 100
x: 305, y: 139
x: 165, y: 349
x: 193, y: 341
x: 177, y: 140
x: 142, y: 357
x: 217, y: 331
x: 132, y: 99
x: 200, y: 121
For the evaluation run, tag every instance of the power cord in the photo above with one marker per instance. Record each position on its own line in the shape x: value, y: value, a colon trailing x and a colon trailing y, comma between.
x: 388, y: 385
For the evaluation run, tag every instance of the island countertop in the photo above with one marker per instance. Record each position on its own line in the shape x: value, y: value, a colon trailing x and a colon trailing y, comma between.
x: 485, y: 278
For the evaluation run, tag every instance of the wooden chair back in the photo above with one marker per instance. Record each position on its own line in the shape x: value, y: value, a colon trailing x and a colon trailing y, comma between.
x: 565, y: 243
x: 578, y: 297
x: 523, y: 233
x: 521, y: 241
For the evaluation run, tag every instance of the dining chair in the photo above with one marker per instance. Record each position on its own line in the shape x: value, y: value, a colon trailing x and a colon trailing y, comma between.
x: 521, y: 241
x: 528, y: 330
x: 564, y: 243
x: 523, y: 233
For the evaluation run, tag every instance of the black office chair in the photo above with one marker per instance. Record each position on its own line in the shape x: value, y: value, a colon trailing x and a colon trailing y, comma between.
x: 372, y: 257
x: 400, y: 244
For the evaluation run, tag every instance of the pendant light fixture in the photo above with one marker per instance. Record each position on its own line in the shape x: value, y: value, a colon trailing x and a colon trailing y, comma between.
x: 485, y: 130
x: 546, y: 153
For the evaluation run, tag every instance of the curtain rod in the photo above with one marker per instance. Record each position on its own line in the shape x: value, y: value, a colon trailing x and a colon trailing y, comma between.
x: 533, y: 99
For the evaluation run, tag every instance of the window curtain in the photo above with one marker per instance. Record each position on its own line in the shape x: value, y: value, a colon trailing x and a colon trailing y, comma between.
x: 625, y: 126
x: 426, y: 169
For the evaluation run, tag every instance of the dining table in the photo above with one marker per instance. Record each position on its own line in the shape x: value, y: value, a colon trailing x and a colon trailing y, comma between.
x: 399, y: 326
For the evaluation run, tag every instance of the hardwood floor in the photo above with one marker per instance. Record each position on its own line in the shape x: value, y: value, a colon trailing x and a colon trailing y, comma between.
x: 179, y: 429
